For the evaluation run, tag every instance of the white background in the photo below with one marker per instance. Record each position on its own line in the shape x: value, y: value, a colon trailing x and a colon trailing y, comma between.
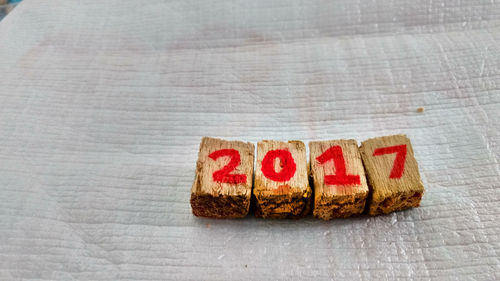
x: 103, y: 105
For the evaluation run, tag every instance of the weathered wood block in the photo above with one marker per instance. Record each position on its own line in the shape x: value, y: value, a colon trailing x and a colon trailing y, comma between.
x: 281, y: 180
x: 392, y: 173
x: 223, y: 182
x: 340, y: 188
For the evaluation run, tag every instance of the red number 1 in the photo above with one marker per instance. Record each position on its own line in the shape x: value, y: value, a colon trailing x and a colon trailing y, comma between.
x: 341, y: 177
x: 223, y: 175
x: 399, y: 163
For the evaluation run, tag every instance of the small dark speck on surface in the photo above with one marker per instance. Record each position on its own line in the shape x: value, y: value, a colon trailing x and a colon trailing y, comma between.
x: 420, y: 109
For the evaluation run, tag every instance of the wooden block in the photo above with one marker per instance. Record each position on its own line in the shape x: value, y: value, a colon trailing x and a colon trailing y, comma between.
x: 223, y: 182
x: 281, y: 180
x: 392, y: 173
x: 340, y: 188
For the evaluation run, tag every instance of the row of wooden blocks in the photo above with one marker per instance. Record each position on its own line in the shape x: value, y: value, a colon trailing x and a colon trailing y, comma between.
x: 340, y: 180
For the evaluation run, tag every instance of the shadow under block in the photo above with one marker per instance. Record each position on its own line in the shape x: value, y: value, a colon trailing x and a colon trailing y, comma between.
x: 340, y: 188
x: 223, y: 182
x: 392, y: 173
x: 281, y: 185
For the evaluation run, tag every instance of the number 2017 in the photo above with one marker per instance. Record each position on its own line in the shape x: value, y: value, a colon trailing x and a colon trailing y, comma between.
x: 288, y: 165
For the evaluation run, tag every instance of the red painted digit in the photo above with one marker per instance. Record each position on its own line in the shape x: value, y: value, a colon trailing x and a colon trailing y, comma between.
x: 223, y: 175
x: 287, y: 164
x: 399, y: 163
x: 341, y: 177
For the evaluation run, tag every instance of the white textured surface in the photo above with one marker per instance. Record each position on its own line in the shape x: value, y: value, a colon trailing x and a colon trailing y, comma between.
x: 104, y: 103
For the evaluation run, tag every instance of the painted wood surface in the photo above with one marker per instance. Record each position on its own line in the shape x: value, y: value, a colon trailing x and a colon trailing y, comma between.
x: 392, y: 173
x: 281, y: 187
x: 338, y: 177
x: 223, y: 181
x: 104, y: 103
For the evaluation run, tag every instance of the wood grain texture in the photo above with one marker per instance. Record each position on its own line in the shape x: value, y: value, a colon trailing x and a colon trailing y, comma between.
x: 104, y: 103
x: 222, y: 199
x: 287, y: 198
x: 390, y: 193
x: 337, y: 200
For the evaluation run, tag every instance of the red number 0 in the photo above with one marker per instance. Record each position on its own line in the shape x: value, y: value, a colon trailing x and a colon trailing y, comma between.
x: 287, y: 164
x: 341, y: 176
x: 223, y: 175
x: 399, y: 162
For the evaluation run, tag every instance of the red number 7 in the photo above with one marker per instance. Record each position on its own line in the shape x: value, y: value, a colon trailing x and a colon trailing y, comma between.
x: 399, y: 163
x: 223, y: 175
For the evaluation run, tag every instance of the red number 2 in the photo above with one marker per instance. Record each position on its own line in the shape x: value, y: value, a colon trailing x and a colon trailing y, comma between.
x: 399, y: 163
x: 223, y: 175
x: 341, y: 177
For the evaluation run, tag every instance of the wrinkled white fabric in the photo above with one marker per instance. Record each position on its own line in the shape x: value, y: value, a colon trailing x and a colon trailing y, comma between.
x: 104, y: 103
